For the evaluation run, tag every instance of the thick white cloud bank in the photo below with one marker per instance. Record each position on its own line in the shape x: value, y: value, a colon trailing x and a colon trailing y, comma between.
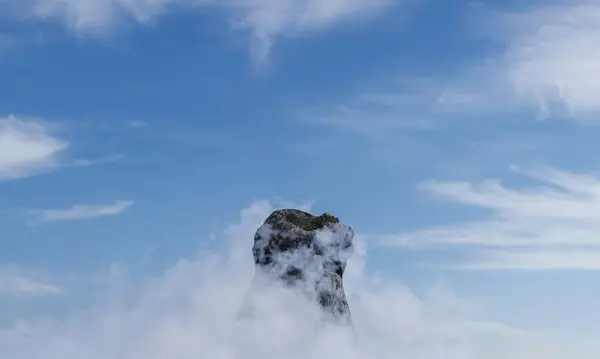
x: 191, y: 312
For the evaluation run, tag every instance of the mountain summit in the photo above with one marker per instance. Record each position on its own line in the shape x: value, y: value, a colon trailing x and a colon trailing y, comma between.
x: 306, y: 253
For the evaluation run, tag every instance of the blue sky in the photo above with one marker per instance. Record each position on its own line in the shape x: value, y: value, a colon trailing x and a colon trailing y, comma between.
x: 457, y: 138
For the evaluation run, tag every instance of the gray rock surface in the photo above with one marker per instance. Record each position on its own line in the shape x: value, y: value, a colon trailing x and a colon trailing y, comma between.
x: 309, y: 253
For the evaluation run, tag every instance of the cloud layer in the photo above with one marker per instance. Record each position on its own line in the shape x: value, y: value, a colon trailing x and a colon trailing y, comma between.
x: 190, y: 311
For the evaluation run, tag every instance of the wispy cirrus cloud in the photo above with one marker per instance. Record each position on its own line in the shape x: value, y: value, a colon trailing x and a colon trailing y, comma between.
x: 80, y: 212
x: 17, y: 282
x: 542, y: 65
x: 551, y: 55
x: 269, y: 19
x: 373, y: 124
x: 411, y: 106
x: 545, y: 63
x: 138, y: 124
x: 514, y: 259
x: 86, y: 162
x: 266, y: 20
x: 553, y: 224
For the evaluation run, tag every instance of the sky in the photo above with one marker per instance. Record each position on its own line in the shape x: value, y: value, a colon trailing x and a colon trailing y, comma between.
x: 142, y: 142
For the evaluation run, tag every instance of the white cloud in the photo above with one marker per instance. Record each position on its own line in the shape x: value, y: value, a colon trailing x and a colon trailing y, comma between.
x: 552, y: 54
x: 265, y: 19
x: 547, y: 61
x: 81, y: 212
x: 566, y: 259
x: 268, y: 19
x: 554, y: 224
x: 371, y: 124
x: 410, y: 107
x: 190, y: 312
x: 27, y: 147
x: 16, y: 282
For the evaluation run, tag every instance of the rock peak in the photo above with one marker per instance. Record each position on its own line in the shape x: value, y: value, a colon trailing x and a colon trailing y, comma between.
x: 308, y: 252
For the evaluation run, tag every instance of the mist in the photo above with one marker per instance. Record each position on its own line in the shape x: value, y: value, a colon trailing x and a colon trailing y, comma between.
x: 191, y: 312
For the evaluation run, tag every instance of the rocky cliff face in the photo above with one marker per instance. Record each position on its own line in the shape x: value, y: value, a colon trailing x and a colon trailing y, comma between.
x: 309, y: 253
